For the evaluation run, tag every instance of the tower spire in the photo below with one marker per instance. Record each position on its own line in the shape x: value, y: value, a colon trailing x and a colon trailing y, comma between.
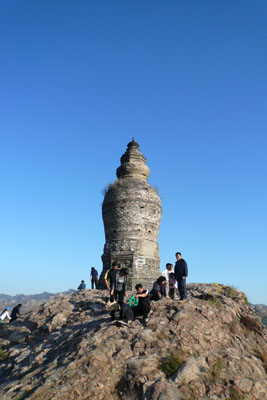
x: 131, y: 213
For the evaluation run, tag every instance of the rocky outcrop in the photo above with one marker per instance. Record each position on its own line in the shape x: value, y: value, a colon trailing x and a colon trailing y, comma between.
x: 210, y: 346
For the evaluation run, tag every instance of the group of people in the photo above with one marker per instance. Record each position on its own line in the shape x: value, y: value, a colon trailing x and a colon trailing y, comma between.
x: 14, y: 313
x: 170, y: 281
x: 93, y: 279
x: 176, y: 279
x: 116, y: 282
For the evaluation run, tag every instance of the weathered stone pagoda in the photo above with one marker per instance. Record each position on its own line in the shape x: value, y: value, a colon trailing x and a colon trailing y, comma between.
x: 131, y: 213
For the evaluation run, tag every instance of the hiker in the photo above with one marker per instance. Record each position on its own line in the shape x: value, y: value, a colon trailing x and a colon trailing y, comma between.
x: 141, y: 309
x: 181, y: 272
x: 159, y: 290
x: 5, y: 314
x: 15, y: 312
x: 94, y: 277
x: 172, y: 285
x: 116, y: 284
x: 166, y: 273
x: 82, y: 286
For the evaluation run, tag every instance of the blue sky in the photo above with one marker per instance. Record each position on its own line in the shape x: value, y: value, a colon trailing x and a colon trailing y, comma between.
x: 78, y: 80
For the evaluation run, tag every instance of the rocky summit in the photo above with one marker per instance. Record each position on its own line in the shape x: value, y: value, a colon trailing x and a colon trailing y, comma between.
x: 210, y: 346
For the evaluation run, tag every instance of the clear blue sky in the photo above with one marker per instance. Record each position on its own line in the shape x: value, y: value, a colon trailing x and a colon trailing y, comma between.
x: 79, y: 79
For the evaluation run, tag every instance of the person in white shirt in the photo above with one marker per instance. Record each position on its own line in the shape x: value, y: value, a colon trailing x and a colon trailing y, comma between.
x: 5, y: 314
x: 166, y: 273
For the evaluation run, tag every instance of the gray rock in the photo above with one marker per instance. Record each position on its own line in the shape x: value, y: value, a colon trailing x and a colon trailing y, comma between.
x: 192, y: 369
x: 68, y: 348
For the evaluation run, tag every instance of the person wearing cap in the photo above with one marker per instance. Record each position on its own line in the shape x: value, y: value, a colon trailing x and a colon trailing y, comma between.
x: 5, y: 314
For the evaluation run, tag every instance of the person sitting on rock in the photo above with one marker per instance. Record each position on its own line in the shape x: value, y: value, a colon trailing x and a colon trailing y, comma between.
x: 141, y: 309
x: 82, y: 286
x: 159, y: 289
x: 15, y: 312
x: 5, y: 314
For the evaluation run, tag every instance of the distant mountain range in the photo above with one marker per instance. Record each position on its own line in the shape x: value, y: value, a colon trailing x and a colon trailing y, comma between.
x: 261, y: 311
x: 28, y: 301
x: 31, y: 301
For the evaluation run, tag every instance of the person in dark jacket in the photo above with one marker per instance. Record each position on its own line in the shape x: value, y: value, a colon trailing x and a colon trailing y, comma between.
x: 94, y: 277
x: 82, y: 286
x: 159, y: 289
x: 142, y: 308
x: 15, y: 312
x: 116, y: 284
x: 181, y: 272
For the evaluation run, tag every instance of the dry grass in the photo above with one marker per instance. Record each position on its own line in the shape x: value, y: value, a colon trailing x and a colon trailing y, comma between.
x: 215, y: 370
x: 3, y: 355
x: 170, y: 364
x: 230, y: 291
x: 262, y: 355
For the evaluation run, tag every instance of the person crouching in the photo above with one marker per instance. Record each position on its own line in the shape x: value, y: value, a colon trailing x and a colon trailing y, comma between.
x: 159, y: 289
x: 141, y: 309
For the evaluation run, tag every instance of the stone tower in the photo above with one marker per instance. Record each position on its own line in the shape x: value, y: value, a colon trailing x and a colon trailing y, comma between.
x: 131, y: 213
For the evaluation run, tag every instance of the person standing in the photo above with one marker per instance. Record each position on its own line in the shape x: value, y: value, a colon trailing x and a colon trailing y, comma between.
x: 166, y: 273
x: 120, y: 290
x: 94, y: 277
x: 181, y: 272
x: 116, y: 284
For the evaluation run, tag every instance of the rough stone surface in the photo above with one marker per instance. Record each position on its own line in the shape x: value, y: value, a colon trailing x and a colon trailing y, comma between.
x: 68, y: 349
x: 131, y: 214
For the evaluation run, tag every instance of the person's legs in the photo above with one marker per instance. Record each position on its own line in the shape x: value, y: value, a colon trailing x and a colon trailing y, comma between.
x: 171, y: 293
x: 129, y: 314
x: 112, y: 313
x: 182, y: 288
x: 92, y: 284
x: 120, y: 301
x: 137, y: 311
x: 145, y: 308
x: 179, y: 287
x: 184, y: 295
